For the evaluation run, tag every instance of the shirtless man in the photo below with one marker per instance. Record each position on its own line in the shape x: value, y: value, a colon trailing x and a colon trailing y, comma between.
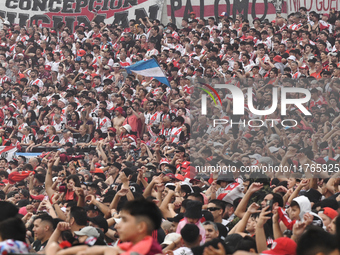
x: 119, y: 119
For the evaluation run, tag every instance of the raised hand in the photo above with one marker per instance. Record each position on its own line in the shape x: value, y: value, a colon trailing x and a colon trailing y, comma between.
x: 263, y: 218
x: 122, y: 192
x: 253, y: 208
x: 255, y: 186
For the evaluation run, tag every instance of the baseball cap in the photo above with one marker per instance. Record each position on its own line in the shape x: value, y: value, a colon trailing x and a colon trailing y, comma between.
x: 171, y: 176
x: 10, y: 109
x: 170, y: 238
x: 81, y: 52
x: 116, y: 164
x: 330, y: 212
x: 113, y: 129
x: 282, y: 246
x: 185, y: 164
x: 106, y: 67
x: 88, y: 231
x: 177, y: 218
x: 116, y: 65
x: 164, y: 161
x: 292, y: 58
x: 100, y: 222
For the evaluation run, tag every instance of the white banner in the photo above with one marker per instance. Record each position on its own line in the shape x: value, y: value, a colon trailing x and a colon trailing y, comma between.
x: 49, y: 13
x: 319, y: 6
x: 262, y: 9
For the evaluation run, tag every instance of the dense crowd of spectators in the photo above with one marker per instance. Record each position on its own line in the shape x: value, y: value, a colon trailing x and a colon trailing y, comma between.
x: 130, y: 165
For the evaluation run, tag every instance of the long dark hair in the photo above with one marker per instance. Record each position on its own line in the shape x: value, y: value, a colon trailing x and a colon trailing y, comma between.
x: 32, y: 119
x: 74, y: 178
x: 181, y: 136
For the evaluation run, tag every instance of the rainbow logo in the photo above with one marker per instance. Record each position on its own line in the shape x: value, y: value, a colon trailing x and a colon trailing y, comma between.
x: 204, y: 97
x: 209, y: 93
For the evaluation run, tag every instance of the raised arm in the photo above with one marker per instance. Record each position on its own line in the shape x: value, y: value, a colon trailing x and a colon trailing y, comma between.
x: 242, y: 207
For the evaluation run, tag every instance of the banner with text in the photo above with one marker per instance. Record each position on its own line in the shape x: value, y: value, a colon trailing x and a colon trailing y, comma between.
x: 263, y: 9
x: 49, y: 13
x: 319, y: 6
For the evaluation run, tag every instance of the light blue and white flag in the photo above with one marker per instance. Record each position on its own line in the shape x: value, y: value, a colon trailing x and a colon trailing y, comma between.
x: 149, y: 68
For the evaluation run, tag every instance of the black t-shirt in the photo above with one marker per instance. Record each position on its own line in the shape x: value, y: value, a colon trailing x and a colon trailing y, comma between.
x: 44, y: 110
x: 158, y: 39
x: 84, y: 139
x: 7, y: 93
x: 38, y: 246
x: 44, y: 139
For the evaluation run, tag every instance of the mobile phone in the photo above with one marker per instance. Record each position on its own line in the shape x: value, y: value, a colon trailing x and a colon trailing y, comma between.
x: 147, y: 174
x: 270, y: 204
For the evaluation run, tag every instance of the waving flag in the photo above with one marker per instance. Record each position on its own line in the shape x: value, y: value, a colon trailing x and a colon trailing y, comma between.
x: 149, y: 68
x: 8, y: 152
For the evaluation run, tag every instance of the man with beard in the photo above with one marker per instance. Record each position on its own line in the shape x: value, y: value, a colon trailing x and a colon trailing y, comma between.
x: 166, y: 114
x: 44, y: 109
x: 247, y: 63
x: 113, y: 172
x: 120, y: 101
x: 165, y: 128
x: 34, y: 80
x: 152, y: 117
x: 102, y: 122
x: 209, y: 74
x: 177, y: 129
x: 131, y: 119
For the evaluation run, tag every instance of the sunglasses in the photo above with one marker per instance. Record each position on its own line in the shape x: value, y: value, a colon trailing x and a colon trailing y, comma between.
x: 211, y: 209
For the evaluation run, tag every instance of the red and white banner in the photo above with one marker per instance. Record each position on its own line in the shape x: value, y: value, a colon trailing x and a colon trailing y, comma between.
x: 263, y: 9
x: 319, y: 6
x: 8, y: 152
x: 49, y: 13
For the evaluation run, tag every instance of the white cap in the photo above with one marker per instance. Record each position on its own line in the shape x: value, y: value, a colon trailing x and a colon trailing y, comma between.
x: 273, y: 149
x: 63, y: 100
x: 170, y: 238
x: 196, y: 58
x: 7, y: 23
x: 116, y: 65
x: 255, y: 156
x: 88, y: 231
x: 292, y: 58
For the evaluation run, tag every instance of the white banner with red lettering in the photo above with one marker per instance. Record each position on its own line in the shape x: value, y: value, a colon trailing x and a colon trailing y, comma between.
x: 319, y: 6
x: 8, y: 152
x: 49, y: 13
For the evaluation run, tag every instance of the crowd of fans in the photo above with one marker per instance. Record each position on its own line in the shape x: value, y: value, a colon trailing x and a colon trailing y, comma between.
x: 129, y: 165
